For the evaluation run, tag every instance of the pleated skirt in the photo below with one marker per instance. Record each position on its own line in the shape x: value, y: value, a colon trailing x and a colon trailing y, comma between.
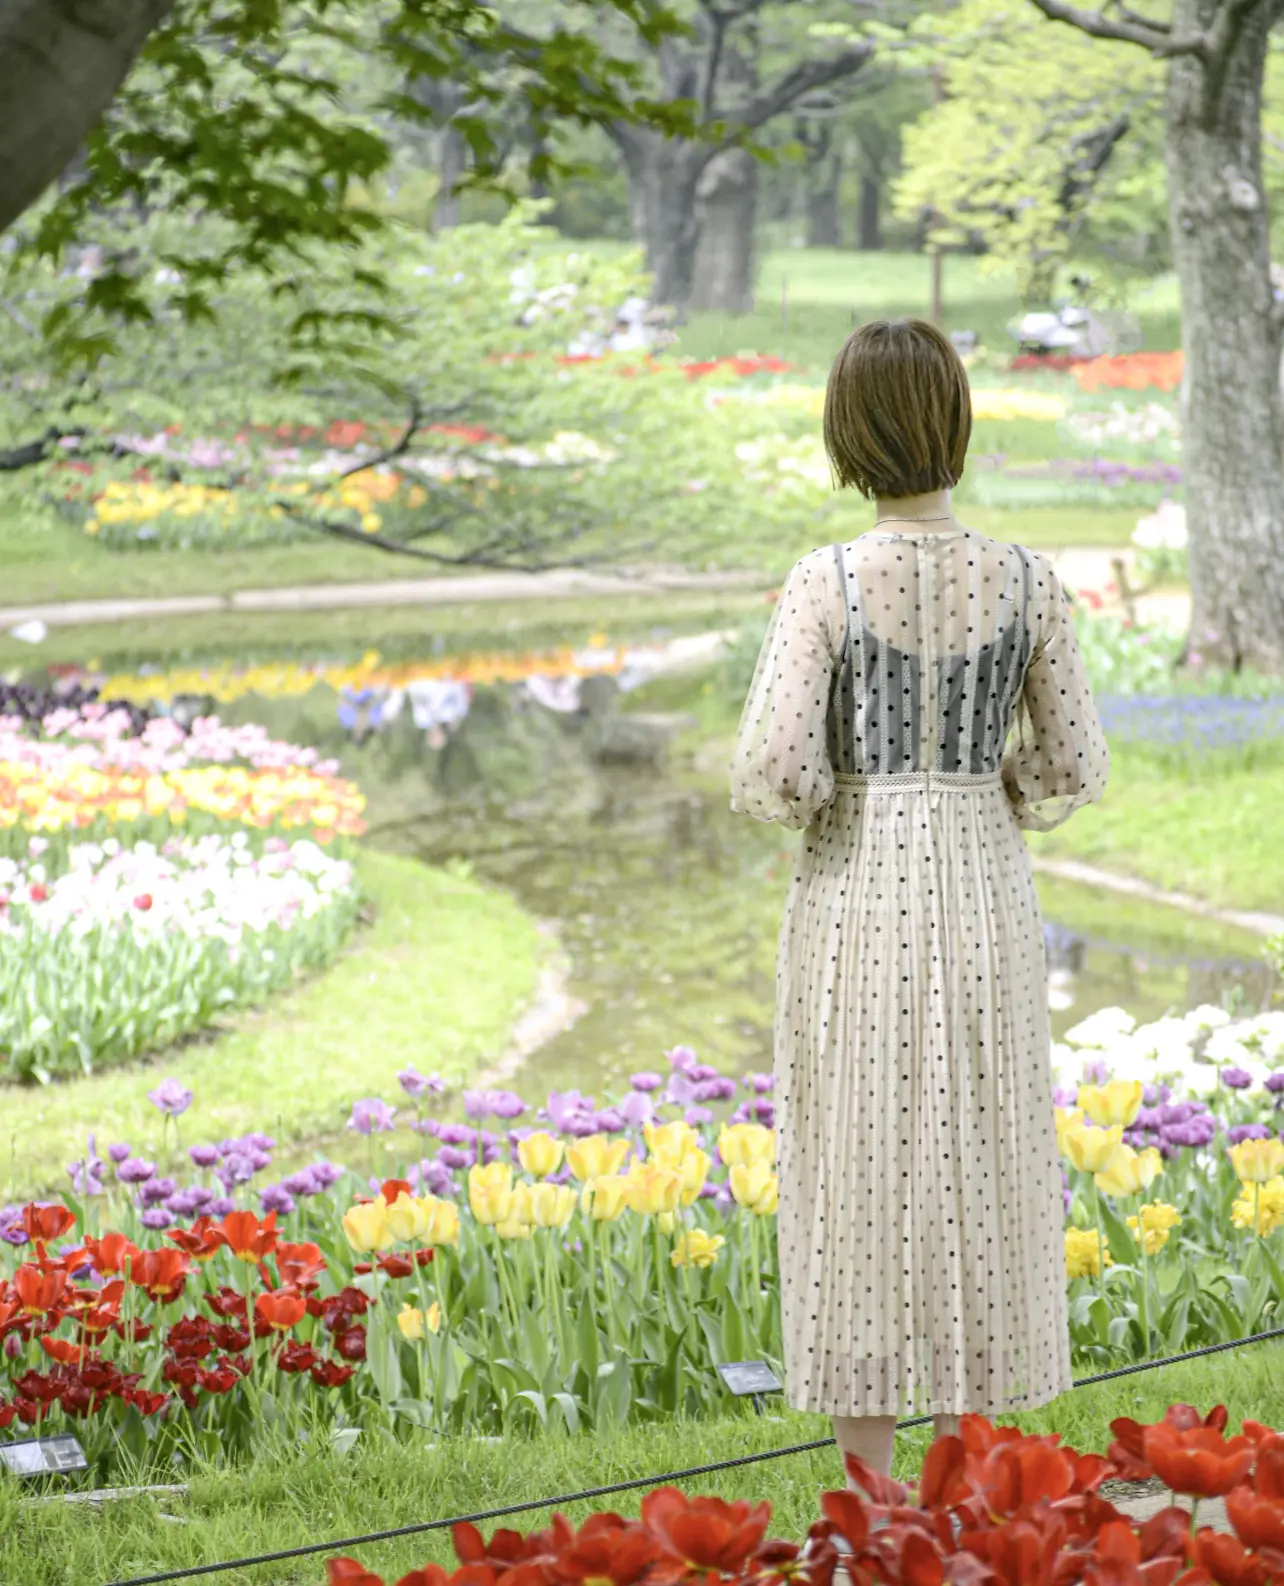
x: 921, y: 1215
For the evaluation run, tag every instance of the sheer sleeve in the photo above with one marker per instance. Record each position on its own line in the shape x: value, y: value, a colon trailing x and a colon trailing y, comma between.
x: 1056, y: 760
x: 780, y: 771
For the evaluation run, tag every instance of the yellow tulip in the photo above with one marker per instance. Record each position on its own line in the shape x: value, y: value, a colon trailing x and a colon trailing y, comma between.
x: 1157, y: 1219
x: 552, y: 1205
x: 596, y: 1157
x: 651, y: 1190
x: 540, y: 1154
x: 411, y: 1321
x: 1257, y: 1161
x: 1092, y: 1150
x: 1119, y: 1102
x: 1130, y: 1172
x: 490, y: 1193
x: 604, y: 1198
x: 409, y: 1218
x: 668, y: 1143
x: 366, y: 1226
x: 1260, y: 1207
x: 697, y: 1249
x: 743, y: 1144
x: 1084, y: 1252
x: 1067, y: 1118
x: 755, y: 1188
x: 693, y: 1170
x: 443, y: 1229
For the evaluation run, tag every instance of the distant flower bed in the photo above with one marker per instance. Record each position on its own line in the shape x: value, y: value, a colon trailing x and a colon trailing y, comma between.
x: 1187, y: 727
x: 108, y: 951
x: 1097, y: 481
x: 88, y: 766
x: 1153, y: 424
x: 1134, y: 371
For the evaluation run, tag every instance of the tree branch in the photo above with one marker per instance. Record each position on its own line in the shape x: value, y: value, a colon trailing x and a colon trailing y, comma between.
x: 1147, y: 37
x: 791, y: 86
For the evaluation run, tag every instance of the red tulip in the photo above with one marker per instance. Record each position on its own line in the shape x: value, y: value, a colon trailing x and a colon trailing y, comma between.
x: 246, y: 1237
x: 1127, y: 1452
x: 161, y: 1273
x: 329, y: 1374
x: 351, y: 1342
x: 38, y: 1292
x: 111, y: 1253
x: 849, y: 1515
x: 299, y: 1265
x: 63, y: 1350
x: 218, y: 1379
x: 146, y: 1403
x: 944, y: 1482
x: 606, y: 1549
x: 347, y: 1572
x: 200, y: 1242
x: 1226, y: 1561
x: 1257, y: 1521
x: 39, y: 892
x: 707, y: 1533
x: 143, y: 902
x: 296, y: 1358
x: 392, y: 1188
x: 44, y: 1224
x: 1021, y: 1552
x: 281, y: 1309
x: 1199, y: 1462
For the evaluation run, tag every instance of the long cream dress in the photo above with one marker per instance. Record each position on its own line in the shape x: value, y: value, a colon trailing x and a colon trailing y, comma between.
x: 921, y: 1252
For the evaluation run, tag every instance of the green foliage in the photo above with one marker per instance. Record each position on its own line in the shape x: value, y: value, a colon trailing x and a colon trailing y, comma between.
x: 428, y: 366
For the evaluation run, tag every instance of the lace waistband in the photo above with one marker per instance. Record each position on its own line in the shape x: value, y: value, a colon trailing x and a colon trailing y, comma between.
x: 906, y: 781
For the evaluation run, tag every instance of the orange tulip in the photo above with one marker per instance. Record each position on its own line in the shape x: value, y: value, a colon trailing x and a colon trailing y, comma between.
x: 246, y: 1237
x: 281, y: 1310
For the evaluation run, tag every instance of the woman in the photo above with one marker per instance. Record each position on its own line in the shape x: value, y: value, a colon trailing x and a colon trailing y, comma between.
x: 920, y: 1199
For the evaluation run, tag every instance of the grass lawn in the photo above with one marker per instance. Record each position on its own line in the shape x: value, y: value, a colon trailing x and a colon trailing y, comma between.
x: 809, y: 300
x: 292, y: 1497
x: 1219, y: 837
x: 436, y: 980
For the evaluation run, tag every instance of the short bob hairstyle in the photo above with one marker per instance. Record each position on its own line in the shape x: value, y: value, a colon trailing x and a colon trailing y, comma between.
x: 898, y: 410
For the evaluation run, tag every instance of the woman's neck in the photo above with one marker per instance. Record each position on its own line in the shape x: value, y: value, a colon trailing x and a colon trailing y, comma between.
x: 932, y: 510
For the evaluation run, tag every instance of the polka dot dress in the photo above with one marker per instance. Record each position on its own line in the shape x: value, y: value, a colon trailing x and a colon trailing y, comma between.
x: 919, y: 699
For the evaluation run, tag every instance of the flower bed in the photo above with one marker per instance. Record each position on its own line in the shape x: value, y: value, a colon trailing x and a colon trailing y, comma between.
x: 584, y: 1264
x: 1134, y: 371
x: 991, y: 1506
x: 126, y: 950
x: 153, y: 877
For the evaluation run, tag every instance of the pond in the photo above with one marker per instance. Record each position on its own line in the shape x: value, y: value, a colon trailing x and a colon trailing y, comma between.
x: 600, y: 801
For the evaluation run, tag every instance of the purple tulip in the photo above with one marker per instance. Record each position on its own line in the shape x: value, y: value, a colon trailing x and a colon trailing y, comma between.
x: 326, y: 1173
x: 646, y: 1082
x: 156, y: 1190
x: 493, y: 1103
x: 155, y: 1217
x: 457, y: 1134
x: 760, y: 1083
x: 371, y: 1117
x: 681, y: 1089
x: 118, y: 1152
x: 682, y: 1058
x: 434, y: 1176
x: 636, y: 1109
x: 134, y: 1170
x: 204, y: 1155
x: 87, y: 1174
x: 699, y: 1073
x: 454, y: 1158
x: 1274, y: 1082
x: 236, y: 1169
x: 221, y: 1206
x: 276, y: 1198
x: 717, y: 1089
x: 1236, y: 1078
x: 566, y: 1108
x: 182, y: 1204
x: 416, y: 1084
x: 259, y: 1141
x: 259, y: 1159
x: 608, y: 1121
x: 696, y: 1116
x: 1065, y: 1095
x: 199, y: 1194
x: 301, y: 1183
x: 171, y: 1097
x: 1247, y: 1131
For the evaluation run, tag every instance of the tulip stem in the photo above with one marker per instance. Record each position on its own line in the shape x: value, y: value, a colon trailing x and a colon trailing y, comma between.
x: 1101, y: 1241
x: 608, y: 1285
x: 505, y: 1290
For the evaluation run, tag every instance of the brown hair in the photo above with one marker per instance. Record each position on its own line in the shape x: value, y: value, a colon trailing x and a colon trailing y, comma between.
x: 898, y: 410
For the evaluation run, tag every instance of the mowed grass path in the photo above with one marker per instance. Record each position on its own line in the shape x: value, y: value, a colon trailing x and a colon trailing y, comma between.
x: 435, y: 980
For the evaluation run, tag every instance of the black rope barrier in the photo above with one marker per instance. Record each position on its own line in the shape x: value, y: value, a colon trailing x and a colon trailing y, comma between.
x: 342, y: 1544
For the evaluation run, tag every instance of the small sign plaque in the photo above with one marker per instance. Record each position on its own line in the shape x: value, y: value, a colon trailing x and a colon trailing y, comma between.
x: 749, y: 1376
x: 42, y: 1456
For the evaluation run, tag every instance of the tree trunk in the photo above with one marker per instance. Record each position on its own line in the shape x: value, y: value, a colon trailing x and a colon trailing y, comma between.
x: 723, y: 273
x: 869, y: 237
x: 60, y: 68
x: 1232, y: 449
x: 823, y: 229
x: 664, y: 178
x: 450, y: 167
